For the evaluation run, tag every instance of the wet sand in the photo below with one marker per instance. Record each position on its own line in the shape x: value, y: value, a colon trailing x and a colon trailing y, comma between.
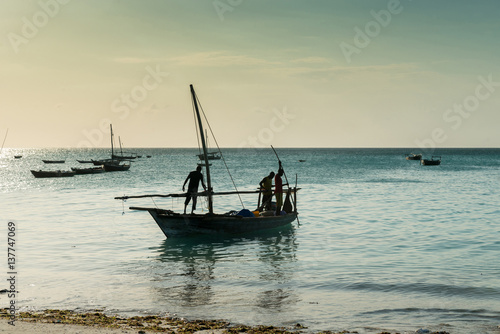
x: 70, y: 322
x: 60, y: 321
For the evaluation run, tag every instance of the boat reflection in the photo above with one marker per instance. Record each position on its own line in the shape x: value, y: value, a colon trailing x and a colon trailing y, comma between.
x: 245, y: 272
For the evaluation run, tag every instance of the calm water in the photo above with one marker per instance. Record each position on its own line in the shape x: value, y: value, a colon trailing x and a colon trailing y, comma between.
x: 383, y: 243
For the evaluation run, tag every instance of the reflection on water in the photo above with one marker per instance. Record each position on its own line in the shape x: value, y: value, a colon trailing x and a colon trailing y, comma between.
x: 197, y: 271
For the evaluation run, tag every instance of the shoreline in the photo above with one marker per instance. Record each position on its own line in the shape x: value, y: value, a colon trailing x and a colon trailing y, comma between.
x: 97, y: 322
x: 71, y: 322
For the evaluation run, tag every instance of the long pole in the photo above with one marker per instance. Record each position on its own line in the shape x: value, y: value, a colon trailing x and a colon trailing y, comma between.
x: 112, y: 151
x: 204, y: 145
x: 279, y: 161
x: 4, y: 138
x: 121, y: 149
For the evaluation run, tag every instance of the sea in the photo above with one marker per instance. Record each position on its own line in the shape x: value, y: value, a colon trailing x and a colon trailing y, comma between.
x: 381, y: 244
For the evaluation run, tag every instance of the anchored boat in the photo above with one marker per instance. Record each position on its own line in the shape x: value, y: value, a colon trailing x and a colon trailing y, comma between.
x: 52, y: 173
x: 413, y: 156
x: 433, y: 161
x: 54, y: 161
x: 113, y: 164
x: 175, y: 224
x: 90, y: 170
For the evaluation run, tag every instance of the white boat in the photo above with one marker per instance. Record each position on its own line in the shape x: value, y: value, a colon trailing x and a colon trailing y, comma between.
x: 175, y: 224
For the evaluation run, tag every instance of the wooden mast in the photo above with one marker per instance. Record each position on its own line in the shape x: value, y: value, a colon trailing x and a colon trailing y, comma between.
x: 203, y: 144
x: 112, y: 150
x: 121, y: 149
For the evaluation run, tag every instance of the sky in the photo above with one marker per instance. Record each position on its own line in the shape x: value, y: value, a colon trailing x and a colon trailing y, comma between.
x: 287, y: 73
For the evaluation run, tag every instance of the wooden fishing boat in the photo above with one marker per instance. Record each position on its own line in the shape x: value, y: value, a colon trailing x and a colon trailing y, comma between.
x: 412, y: 156
x: 113, y: 164
x: 210, y: 156
x: 175, y: 224
x: 122, y: 155
x: 434, y: 161
x: 90, y: 170
x: 54, y: 161
x: 52, y: 173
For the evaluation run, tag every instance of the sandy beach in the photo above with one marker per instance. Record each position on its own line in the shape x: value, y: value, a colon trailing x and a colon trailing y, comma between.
x: 70, y: 322
x: 38, y: 327
x: 63, y: 321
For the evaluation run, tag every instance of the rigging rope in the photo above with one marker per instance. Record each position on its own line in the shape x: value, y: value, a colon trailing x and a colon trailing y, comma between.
x: 218, y: 148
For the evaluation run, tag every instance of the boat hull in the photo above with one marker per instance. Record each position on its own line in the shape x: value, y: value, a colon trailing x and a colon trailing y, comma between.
x: 430, y: 162
x: 95, y: 170
x: 116, y: 168
x: 54, y: 161
x: 58, y: 173
x: 179, y: 225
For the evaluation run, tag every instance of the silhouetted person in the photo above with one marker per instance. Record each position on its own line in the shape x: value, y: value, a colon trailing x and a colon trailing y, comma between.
x: 267, y: 184
x: 194, y: 180
x: 278, y: 189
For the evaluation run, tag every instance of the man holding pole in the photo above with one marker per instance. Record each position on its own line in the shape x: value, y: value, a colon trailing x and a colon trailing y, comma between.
x: 278, y: 189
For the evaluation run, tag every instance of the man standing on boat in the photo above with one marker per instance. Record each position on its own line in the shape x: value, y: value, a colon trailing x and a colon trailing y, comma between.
x: 194, y: 180
x: 266, y: 186
x: 278, y: 189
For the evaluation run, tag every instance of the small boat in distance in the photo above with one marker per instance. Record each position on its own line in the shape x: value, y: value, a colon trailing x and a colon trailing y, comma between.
x: 52, y: 173
x: 434, y: 161
x: 122, y: 156
x: 54, y: 161
x: 210, y: 155
x: 18, y: 156
x: 113, y: 164
x: 412, y: 156
x: 302, y: 160
x: 90, y: 170
x: 84, y: 161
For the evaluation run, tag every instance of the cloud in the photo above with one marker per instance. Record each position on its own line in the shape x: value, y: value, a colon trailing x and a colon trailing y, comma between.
x: 219, y: 59
x: 132, y: 60
x: 312, y: 60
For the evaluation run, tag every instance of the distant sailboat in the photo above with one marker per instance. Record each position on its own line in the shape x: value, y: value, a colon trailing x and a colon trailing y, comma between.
x: 210, y: 155
x: 122, y: 156
x: 113, y: 164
